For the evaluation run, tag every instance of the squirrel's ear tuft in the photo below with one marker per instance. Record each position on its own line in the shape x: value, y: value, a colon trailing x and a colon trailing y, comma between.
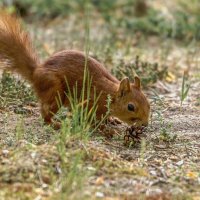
x: 137, y: 82
x: 124, y: 87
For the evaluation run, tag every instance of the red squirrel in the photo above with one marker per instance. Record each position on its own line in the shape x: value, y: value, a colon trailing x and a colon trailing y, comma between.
x: 48, y: 79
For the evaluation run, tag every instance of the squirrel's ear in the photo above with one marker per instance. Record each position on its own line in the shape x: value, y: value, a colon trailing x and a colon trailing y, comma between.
x: 124, y: 87
x: 137, y: 82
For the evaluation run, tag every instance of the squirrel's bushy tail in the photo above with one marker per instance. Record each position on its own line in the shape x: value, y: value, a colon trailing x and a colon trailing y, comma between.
x: 16, y: 48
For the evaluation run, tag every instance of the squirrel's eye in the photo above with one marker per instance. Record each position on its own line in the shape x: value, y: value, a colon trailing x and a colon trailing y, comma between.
x: 131, y: 107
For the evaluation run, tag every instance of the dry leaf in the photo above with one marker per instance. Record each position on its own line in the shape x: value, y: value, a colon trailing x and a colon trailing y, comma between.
x: 192, y: 175
x: 99, y: 180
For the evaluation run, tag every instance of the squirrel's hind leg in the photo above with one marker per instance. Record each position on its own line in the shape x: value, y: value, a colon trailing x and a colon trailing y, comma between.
x: 47, y: 112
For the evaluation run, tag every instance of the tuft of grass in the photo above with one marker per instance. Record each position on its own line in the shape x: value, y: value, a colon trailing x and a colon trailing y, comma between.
x: 14, y: 92
x: 20, y: 130
x: 165, y: 130
x: 149, y: 72
x: 185, y: 87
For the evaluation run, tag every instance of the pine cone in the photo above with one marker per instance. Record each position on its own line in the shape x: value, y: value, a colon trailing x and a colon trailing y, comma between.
x: 133, y: 134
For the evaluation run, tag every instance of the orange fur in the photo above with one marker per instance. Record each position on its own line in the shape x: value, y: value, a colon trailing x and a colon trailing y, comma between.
x: 49, y: 79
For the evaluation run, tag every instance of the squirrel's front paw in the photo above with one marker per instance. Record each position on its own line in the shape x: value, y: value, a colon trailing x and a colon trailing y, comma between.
x: 113, y: 121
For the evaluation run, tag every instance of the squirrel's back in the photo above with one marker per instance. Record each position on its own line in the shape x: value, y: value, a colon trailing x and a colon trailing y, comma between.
x: 16, y: 47
x: 72, y: 63
x: 69, y: 65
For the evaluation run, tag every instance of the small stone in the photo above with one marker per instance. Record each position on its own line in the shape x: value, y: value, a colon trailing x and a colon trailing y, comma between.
x: 33, y: 155
x: 153, y: 173
x: 179, y: 163
x: 99, y: 194
x: 91, y: 168
x: 44, y: 161
x: 5, y: 152
x: 44, y: 186
x: 153, y: 191
x: 39, y: 197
